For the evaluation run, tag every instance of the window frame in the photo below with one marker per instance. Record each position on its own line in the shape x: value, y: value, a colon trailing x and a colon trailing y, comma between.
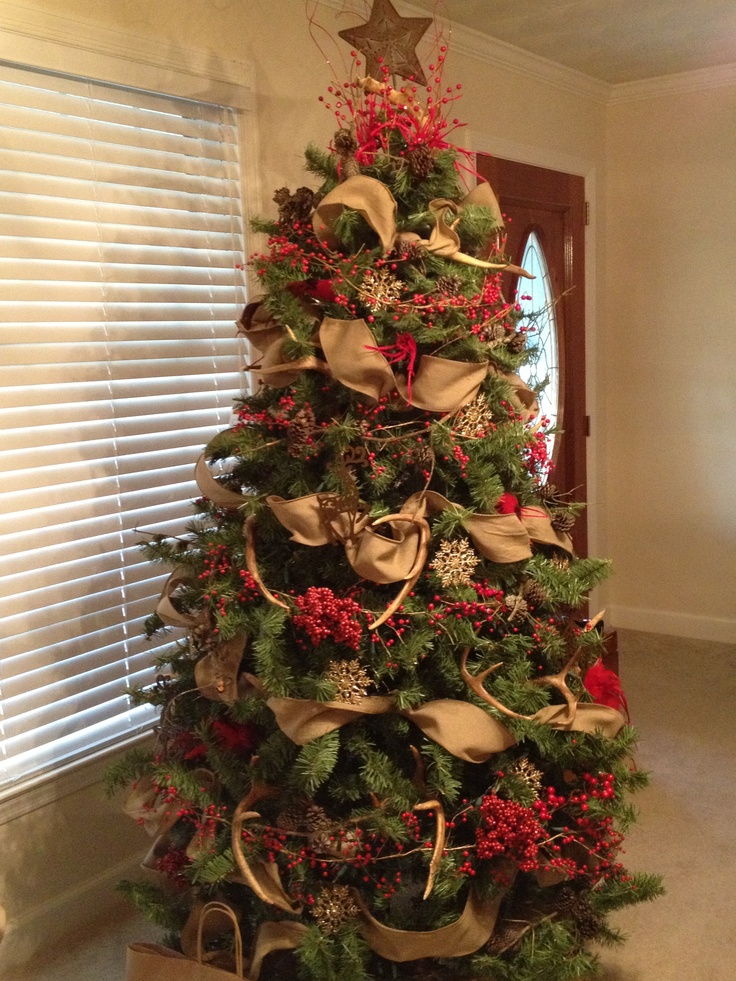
x: 50, y: 43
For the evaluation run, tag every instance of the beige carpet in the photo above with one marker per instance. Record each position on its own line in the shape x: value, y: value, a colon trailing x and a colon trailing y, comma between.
x: 682, y: 696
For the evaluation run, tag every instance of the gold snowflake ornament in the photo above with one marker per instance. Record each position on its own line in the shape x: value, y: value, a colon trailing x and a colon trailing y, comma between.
x: 529, y: 773
x: 379, y: 288
x: 333, y: 907
x: 474, y: 420
x: 455, y: 563
x: 350, y: 679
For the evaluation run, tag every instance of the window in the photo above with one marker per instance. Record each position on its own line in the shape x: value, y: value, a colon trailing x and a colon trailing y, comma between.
x: 120, y: 247
x: 539, y: 319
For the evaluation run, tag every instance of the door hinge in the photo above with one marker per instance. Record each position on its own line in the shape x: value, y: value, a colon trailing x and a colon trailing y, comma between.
x: 587, y: 212
x: 587, y: 425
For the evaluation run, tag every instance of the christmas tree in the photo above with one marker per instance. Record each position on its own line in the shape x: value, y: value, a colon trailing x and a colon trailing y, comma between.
x: 378, y: 745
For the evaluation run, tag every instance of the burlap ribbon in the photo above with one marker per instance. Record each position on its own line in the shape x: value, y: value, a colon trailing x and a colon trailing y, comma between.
x: 217, y: 672
x: 463, y: 729
x: 154, y: 962
x: 375, y: 202
x: 501, y: 538
x: 468, y: 933
x: 467, y: 731
x: 155, y: 810
x: 373, y: 555
x: 166, y: 609
x: 353, y: 358
x: 223, y: 497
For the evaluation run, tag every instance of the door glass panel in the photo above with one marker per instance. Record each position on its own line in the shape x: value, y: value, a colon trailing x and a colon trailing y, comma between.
x: 539, y: 320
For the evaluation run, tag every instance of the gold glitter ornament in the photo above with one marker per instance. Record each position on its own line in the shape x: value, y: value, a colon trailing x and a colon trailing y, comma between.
x: 350, y: 679
x: 333, y: 907
x: 526, y: 771
x: 455, y: 562
x: 379, y: 288
x: 474, y: 420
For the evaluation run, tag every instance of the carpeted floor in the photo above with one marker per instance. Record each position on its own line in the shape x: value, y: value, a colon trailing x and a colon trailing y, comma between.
x: 682, y: 694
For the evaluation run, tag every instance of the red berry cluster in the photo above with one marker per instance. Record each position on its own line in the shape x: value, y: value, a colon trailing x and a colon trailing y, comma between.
x: 172, y: 864
x: 216, y: 562
x: 509, y: 829
x: 536, y: 453
x: 324, y: 616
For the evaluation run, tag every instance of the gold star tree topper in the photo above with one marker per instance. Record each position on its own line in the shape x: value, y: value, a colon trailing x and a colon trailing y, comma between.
x: 391, y: 37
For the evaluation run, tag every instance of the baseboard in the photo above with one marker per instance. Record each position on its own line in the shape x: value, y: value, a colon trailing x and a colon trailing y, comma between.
x: 64, y: 916
x: 672, y: 624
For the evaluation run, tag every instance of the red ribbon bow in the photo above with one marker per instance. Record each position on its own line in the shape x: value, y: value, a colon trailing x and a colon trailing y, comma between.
x: 405, y: 349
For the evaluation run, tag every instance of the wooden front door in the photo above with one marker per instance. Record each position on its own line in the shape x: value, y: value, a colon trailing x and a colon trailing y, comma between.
x: 550, y: 205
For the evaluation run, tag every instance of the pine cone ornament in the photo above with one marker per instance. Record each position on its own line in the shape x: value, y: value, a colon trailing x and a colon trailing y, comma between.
x: 449, y: 285
x: 562, y: 521
x: 345, y: 143
x: 505, y: 936
x: 518, y: 609
x: 578, y: 908
x: 296, y: 207
x: 346, y: 146
x: 421, y: 161
x: 517, y: 342
x: 551, y: 495
x: 412, y: 251
x: 534, y: 593
x: 422, y: 455
x: 301, y: 430
x: 293, y: 818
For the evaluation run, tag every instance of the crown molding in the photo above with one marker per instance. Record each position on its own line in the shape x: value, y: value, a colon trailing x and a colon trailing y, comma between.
x: 20, y: 23
x: 490, y: 50
x: 697, y: 80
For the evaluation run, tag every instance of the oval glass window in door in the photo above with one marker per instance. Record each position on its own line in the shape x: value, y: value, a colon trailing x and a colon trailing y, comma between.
x: 542, y: 372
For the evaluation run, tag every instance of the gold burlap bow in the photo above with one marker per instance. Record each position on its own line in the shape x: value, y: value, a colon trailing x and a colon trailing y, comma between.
x: 375, y: 202
x: 374, y: 556
x: 500, y: 538
x: 353, y: 359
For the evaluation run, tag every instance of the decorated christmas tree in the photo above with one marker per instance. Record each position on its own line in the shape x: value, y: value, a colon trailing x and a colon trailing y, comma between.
x: 379, y: 751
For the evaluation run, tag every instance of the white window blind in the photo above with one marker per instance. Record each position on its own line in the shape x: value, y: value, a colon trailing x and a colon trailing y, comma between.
x: 120, y: 247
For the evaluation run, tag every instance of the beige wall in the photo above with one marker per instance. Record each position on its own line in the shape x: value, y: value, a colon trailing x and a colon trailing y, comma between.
x: 670, y: 347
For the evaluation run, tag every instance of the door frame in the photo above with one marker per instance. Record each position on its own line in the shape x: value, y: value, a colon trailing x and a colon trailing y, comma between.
x: 539, y: 156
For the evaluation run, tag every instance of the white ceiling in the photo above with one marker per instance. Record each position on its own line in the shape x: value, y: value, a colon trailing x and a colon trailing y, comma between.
x: 612, y: 40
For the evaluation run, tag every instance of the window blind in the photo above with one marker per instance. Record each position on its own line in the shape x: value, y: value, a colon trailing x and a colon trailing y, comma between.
x: 120, y: 252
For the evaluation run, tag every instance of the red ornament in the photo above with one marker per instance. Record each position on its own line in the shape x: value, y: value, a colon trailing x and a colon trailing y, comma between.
x: 316, y: 289
x: 237, y: 737
x: 605, y: 687
x: 507, y: 504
